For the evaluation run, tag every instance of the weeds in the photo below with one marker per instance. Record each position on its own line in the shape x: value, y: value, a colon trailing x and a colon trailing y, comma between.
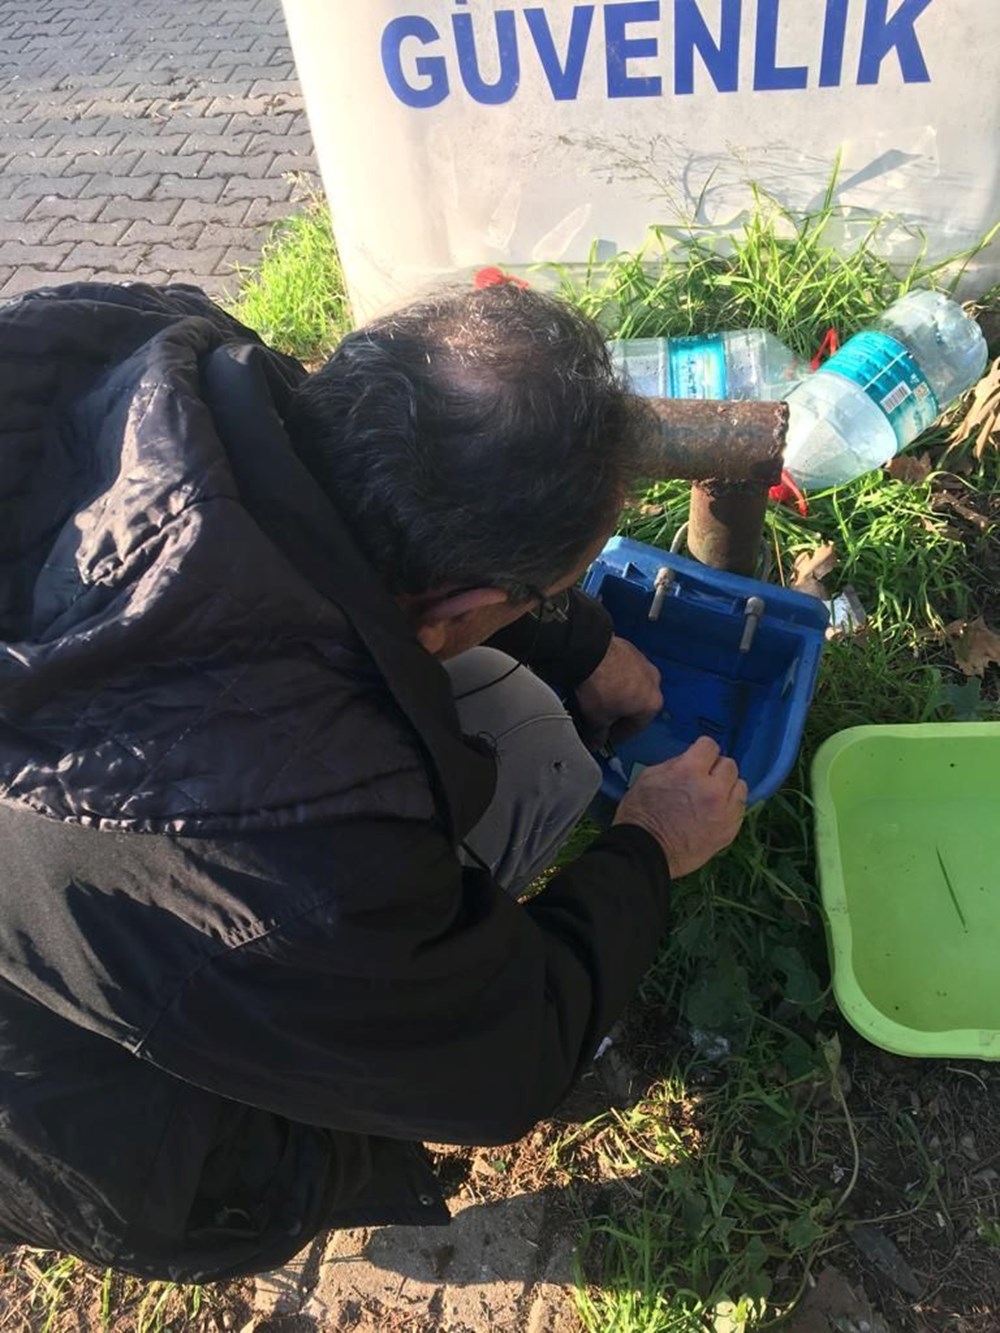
x: 783, y: 272
x: 296, y: 298
x: 47, y: 1293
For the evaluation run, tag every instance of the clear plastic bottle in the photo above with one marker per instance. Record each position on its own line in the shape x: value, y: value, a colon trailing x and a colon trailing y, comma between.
x: 882, y: 389
x: 749, y: 363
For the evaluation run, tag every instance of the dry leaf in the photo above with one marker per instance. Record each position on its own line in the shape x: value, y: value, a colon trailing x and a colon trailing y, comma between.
x: 834, y: 1304
x: 882, y: 1253
x: 651, y: 511
x: 815, y: 564
x: 811, y: 568
x: 909, y: 468
x: 982, y: 421
x: 975, y: 645
x: 943, y: 503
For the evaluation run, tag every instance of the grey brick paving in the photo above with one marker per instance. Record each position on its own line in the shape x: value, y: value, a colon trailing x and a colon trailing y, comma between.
x: 142, y: 140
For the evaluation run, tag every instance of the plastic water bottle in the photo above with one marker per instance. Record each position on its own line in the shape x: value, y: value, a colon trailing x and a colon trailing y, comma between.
x: 882, y: 389
x: 749, y: 363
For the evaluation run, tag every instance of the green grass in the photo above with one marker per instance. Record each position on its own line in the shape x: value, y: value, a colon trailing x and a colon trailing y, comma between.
x: 296, y: 298
x: 780, y: 271
x: 46, y: 1292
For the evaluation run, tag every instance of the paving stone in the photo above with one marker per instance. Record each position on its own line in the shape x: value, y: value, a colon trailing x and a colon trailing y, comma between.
x: 267, y: 211
x: 134, y: 123
x: 496, y: 1267
x: 36, y: 233
x: 18, y: 254
x: 87, y: 143
x: 186, y: 117
x: 295, y: 162
x: 233, y: 104
x: 173, y: 258
x: 182, y: 187
x: 65, y: 275
x: 245, y: 167
x: 239, y: 258
x: 113, y: 164
x: 123, y: 259
x: 78, y: 230
x: 241, y: 238
x: 231, y: 142
x: 80, y: 210
x: 115, y: 187
x: 151, y: 276
x: 35, y: 128
x: 159, y: 211
x: 45, y: 164
x: 152, y: 233
x: 270, y: 122
x: 239, y: 187
x: 145, y: 139
x: 283, y: 142
x: 159, y: 164
x: 216, y: 285
x: 116, y: 106
x: 200, y: 210
x: 17, y: 209
x: 154, y: 137
x: 39, y: 187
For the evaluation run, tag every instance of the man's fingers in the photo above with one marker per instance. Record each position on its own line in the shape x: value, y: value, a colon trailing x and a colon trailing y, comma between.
x: 726, y: 771
x: 703, y: 753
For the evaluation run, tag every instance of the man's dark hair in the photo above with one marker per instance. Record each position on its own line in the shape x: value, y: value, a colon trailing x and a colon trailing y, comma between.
x: 478, y: 438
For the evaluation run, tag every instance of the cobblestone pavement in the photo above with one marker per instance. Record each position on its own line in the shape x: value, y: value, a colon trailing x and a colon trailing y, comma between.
x: 143, y: 139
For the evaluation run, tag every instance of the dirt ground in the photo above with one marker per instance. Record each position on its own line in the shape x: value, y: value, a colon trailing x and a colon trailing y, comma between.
x: 926, y: 1200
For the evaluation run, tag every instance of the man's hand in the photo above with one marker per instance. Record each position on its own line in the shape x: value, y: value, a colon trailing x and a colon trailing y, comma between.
x: 692, y: 805
x: 621, y: 696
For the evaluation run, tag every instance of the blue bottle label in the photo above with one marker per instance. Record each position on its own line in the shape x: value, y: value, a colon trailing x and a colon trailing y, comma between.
x: 697, y: 367
x: 886, y: 370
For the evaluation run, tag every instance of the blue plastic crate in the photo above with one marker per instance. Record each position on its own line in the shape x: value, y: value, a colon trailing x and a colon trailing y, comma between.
x: 754, y: 703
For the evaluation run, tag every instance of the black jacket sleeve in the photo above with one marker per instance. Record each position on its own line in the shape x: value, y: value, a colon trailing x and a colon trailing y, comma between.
x: 430, y: 1005
x: 563, y: 643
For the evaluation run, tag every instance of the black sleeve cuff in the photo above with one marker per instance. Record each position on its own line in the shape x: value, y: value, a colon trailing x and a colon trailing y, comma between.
x: 642, y: 846
x: 563, y: 643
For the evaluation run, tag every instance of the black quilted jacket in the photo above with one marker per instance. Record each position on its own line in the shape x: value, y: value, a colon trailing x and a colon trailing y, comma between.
x: 242, y: 973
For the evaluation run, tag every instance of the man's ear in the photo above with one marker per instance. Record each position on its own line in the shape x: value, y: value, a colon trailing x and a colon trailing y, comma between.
x: 434, y: 613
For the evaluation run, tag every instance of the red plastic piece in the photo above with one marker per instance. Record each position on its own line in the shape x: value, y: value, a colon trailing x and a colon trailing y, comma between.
x: 494, y: 277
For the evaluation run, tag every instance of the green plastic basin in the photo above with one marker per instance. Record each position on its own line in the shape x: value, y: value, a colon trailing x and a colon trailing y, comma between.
x: 908, y: 844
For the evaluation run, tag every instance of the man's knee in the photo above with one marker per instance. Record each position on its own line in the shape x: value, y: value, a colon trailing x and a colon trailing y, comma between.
x: 546, y: 777
x: 510, y: 706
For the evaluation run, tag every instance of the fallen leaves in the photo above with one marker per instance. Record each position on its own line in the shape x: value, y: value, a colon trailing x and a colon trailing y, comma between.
x: 912, y: 469
x: 975, y: 645
x: 981, y: 422
x: 811, y: 568
x: 883, y: 1255
x: 834, y: 1305
x: 847, y: 615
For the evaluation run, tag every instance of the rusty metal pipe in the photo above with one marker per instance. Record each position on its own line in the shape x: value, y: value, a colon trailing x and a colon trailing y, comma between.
x: 726, y: 524
x: 732, y: 452
x: 703, y: 440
